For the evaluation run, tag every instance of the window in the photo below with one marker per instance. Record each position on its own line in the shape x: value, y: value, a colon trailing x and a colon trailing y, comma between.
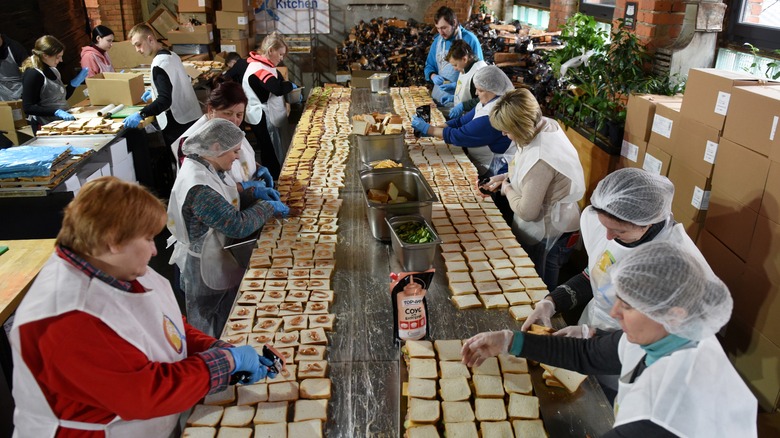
x: 756, y: 22
x: 535, y: 17
x: 602, y: 10
x: 760, y: 66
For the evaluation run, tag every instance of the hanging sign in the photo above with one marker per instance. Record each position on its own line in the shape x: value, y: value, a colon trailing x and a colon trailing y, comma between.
x: 293, y: 16
x: 629, y: 19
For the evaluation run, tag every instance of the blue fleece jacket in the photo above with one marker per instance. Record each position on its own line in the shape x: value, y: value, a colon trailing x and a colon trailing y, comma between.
x: 430, y: 63
x: 468, y: 132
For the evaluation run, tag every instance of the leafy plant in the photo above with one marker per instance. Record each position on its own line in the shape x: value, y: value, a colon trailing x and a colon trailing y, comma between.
x: 772, y: 70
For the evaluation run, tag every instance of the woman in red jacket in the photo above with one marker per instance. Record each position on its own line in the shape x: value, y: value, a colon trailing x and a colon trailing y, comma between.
x: 95, y: 56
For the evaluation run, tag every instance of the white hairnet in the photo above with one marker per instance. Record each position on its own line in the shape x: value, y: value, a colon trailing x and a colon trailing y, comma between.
x: 669, y: 284
x: 635, y: 196
x: 491, y: 78
x: 213, y: 139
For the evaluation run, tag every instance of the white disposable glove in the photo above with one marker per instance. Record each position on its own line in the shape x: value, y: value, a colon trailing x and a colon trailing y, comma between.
x: 575, y: 331
x: 485, y: 345
x: 542, y: 314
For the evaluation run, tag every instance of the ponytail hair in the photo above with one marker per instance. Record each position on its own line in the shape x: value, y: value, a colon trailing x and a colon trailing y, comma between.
x: 274, y: 40
x: 100, y: 31
x: 45, y: 45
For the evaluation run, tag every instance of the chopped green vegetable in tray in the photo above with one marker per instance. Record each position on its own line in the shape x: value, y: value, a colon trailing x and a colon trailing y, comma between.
x: 414, y: 232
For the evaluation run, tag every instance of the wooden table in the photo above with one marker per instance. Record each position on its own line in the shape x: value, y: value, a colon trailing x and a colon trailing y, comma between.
x: 18, y: 268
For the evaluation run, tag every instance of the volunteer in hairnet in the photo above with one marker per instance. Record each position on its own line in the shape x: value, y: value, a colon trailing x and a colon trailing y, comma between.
x: 629, y: 208
x: 487, y: 147
x: 203, y: 212
x: 675, y: 379
x: 437, y: 69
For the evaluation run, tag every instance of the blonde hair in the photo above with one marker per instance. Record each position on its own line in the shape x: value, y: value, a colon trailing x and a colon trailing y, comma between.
x: 274, y: 40
x: 45, y: 45
x: 142, y: 29
x: 109, y: 211
x: 518, y: 113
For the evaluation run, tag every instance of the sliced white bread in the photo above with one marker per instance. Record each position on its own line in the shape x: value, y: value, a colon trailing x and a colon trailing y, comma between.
x: 457, y: 411
x: 525, y: 407
x: 205, y: 415
x: 497, y: 429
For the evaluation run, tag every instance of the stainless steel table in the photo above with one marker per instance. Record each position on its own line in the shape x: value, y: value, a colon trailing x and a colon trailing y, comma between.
x: 363, y: 355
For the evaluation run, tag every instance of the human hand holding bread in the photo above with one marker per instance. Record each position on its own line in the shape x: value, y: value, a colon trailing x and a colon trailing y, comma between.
x: 485, y: 345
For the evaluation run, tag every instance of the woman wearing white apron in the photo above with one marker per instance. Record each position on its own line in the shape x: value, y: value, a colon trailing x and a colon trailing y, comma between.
x: 462, y: 59
x: 95, y: 56
x: 487, y: 148
x: 44, y: 95
x: 203, y: 212
x: 437, y: 69
x: 266, y: 112
x: 100, y: 347
x: 11, y: 56
x: 675, y: 379
x: 544, y: 183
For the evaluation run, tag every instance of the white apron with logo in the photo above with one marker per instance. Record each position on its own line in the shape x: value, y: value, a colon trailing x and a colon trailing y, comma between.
x: 603, y: 254
x: 555, y: 149
x: 10, y: 78
x: 184, y: 103
x: 276, y: 116
x: 52, y: 96
x: 445, y: 68
x: 463, y: 89
x: 221, y: 270
x: 693, y: 392
x: 243, y: 169
x: 150, y: 321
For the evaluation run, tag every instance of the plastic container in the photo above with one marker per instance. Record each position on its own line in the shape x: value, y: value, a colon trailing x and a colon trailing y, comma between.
x: 381, y: 147
x: 379, y: 82
x: 414, y: 257
x: 294, y: 96
x: 408, y: 180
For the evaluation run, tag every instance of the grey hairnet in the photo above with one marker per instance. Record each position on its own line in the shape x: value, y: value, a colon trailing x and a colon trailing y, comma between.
x: 635, y: 196
x: 213, y: 139
x: 670, y: 285
x: 491, y: 78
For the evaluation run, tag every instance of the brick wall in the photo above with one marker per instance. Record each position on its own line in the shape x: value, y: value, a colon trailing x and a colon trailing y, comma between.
x: 112, y: 12
x: 560, y: 11
x: 461, y: 8
x: 753, y: 10
x: 658, y: 22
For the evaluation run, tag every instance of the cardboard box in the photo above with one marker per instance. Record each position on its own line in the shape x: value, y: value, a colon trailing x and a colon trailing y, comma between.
x: 233, y: 20
x: 724, y: 263
x: 640, y: 112
x: 758, y: 304
x: 708, y: 93
x: 343, y: 76
x: 192, y: 35
x: 201, y: 17
x: 163, y: 21
x: 754, y: 121
x: 770, y: 202
x: 656, y: 161
x: 234, y: 34
x: 7, y: 124
x: 731, y: 222
x: 691, y: 192
x: 667, y: 116
x: 755, y: 358
x: 696, y: 144
x: 360, y: 78
x: 633, y: 149
x: 195, y: 5
x: 17, y: 111
x: 124, y: 88
x: 765, y: 250
x: 239, y: 46
x: 741, y: 174
x: 125, y: 169
x: 123, y: 56
x: 237, y: 5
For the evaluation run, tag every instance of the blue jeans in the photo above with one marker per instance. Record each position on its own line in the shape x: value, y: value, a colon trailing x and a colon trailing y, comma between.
x: 548, y: 263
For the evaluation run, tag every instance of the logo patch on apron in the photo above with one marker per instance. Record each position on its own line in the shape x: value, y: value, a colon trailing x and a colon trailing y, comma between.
x: 172, y: 334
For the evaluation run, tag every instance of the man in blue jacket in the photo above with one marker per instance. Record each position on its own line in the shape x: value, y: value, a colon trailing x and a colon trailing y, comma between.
x: 437, y: 69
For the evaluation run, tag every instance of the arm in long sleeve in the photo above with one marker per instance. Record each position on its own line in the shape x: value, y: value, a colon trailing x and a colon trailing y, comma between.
x: 214, y: 211
x: 431, y: 66
x: 32, y: 83
x: 471, y: 103
x: 528, y: 202
x: 89, y: 61
x: 476, y: 47
x: 597, y: 355
x: 164, y: 98
x: 84, y: 365
x: 263, y: 83
x: 477, y: 132
x: 576, y: 291
x: 462, y: 120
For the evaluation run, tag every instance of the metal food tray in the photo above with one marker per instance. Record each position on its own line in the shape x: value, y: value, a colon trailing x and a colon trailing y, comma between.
x: 414, y: 257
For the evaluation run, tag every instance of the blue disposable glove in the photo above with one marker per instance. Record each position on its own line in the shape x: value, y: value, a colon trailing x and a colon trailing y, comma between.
x: 133, y: 120
x: 280, y: 208
x: 64, y: 115
x: 79, y: 79
x: 247, y: 360
x: 437, y: 79
x: 260, y: 191
x: 450, y: 88
x: 419, y: 124
x: 147, y: 96
x: 266, y: 362
x: 447, y: 99
x: 456, y: 111
x: 294, y: 85
x: 265, y: 175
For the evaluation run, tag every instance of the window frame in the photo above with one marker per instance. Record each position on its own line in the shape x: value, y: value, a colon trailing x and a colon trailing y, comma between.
x: 536, y: 4
x: 599, y: 12
x: 738, y: 33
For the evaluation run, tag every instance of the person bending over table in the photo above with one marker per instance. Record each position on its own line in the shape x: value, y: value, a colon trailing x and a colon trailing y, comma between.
x: 462, y: 59
x: 675, y: 378
x: 99, y: 345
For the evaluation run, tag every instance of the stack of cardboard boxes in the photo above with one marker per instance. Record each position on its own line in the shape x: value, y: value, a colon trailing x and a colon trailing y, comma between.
x: 720, y: 146
x: 236, y: 25
x: 195, y: 33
